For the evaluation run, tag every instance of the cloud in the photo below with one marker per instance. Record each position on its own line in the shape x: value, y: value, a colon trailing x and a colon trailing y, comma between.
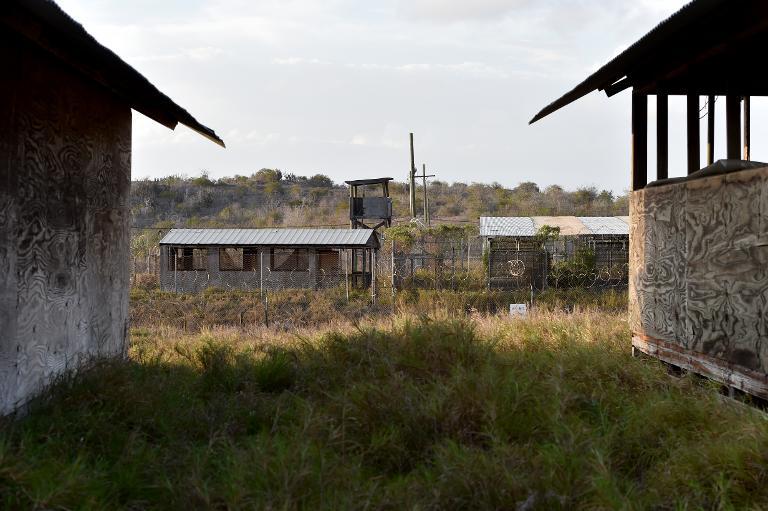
x: 459, y: 10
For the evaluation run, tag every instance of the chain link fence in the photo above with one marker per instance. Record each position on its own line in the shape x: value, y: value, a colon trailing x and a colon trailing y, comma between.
x: 301, y: 288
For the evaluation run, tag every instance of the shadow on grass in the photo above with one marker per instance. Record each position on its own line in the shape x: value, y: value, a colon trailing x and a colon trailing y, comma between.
x: 435, y: 414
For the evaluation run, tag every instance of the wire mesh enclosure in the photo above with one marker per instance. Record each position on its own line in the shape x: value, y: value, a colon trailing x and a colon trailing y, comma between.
x: 590, y: 261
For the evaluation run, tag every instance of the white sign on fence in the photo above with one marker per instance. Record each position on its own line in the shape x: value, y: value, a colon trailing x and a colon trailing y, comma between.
x: 518, y: 310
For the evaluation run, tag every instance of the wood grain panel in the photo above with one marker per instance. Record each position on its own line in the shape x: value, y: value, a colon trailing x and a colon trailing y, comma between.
x: 699, y: 269
x: 64, y: 184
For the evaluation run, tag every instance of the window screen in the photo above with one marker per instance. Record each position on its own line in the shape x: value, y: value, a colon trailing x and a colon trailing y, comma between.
x: 230, y: 259
x: 289, y: 259
x: 250, y: 259
x: 187, y: 259
x: 329, y: 260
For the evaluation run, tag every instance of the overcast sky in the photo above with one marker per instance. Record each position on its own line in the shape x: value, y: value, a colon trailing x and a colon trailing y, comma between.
x: 335, y: 86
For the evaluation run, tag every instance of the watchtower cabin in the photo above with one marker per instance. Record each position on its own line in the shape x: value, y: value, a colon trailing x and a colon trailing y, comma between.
x: 698, y: 286
x: 366, y: 204
x: 65, y: 176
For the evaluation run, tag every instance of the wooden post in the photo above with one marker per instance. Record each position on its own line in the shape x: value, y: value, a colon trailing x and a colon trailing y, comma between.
x: 694, y: 136
x: 639, y: 141
x: 710, y: 129
x: 426, y: 204
x: 747, y: 128
x: 662, y: 136
x: 733, y: 126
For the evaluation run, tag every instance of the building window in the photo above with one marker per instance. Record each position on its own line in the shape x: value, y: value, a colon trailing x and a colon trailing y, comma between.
x: 239, y: 259
x: 230, y: 259
x: 251, y: 259
x: 329, y: 261
x: 289, y: 259
x: 188, y: 259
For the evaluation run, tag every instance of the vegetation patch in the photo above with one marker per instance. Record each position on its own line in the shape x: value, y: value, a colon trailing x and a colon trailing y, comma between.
x: 549, y: 412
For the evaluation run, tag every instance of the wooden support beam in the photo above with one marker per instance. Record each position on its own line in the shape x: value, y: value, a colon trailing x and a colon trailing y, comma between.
x: 710, y: 130
x: 733, y: 126
x: 694, y: 136
x: 662, y: 136
x: 639, y: 141
x: 747, y: 128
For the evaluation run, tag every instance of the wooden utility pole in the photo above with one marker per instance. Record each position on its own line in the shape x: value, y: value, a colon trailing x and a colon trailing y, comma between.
x: 424, y: 176
x: 412, y: 182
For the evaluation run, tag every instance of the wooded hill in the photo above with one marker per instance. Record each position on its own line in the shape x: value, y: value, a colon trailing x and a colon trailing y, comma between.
x: 269, y: 198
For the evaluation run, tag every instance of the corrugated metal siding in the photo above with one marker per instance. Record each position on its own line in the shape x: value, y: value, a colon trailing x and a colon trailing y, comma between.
x: 605, y: 224
x: 282, y: 237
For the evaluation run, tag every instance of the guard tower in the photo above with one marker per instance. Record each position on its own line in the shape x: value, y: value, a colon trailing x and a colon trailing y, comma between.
x: 375, y: 209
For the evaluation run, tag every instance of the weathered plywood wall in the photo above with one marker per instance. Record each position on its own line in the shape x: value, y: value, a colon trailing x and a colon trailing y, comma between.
x: 64, y: 183
x: 699, y: 275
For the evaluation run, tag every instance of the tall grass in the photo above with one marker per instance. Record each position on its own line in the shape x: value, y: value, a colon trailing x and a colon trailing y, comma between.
x: 302, y: 308
x: 549, y: 412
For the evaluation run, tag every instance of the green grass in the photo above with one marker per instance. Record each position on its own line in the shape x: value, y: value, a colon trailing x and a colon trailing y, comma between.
x: 546, y: 413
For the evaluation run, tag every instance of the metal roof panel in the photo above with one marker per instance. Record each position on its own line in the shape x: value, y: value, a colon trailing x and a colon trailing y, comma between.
x: 285, y: 237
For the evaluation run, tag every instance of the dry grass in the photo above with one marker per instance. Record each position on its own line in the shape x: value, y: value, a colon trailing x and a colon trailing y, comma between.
x: 429, y: 412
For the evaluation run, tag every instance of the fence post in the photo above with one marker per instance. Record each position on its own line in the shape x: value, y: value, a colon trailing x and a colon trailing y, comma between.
x: 453, y: 266
x: 392, y: 272
x: 265, y: 299
x: 261, y: 271
x: 175, y: 285
x: 346, y: 272
x: 373, y: 276
x: 490, y: 263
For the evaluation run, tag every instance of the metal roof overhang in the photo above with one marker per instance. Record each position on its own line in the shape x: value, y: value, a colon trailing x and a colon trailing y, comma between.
x: 364, y: 182
x: 285, y: 237
x: 709, y: 47
x: 47, y: 25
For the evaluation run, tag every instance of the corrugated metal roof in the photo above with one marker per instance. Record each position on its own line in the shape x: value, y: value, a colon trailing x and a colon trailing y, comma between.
x: 506, y: 226
x: 569, y: 225
x: 276, y: 237
x: 605, y: 224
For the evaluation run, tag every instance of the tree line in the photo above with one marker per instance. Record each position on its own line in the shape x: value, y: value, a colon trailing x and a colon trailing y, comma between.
x: 271, y: 198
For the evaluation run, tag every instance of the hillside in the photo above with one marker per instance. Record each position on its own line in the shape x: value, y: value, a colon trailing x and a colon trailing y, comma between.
x: 270, y: 198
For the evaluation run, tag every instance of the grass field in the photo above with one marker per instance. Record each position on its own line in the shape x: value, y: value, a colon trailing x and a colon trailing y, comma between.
x: 550, y: 412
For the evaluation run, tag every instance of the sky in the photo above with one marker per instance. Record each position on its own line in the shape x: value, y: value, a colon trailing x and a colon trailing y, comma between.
x: 335, y: 86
